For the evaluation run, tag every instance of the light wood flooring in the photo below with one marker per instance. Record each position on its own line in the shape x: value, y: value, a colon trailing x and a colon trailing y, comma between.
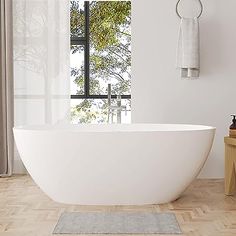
x: 202, y: 210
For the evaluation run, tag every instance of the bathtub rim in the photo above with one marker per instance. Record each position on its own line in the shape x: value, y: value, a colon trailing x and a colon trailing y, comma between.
x: 133, y: 127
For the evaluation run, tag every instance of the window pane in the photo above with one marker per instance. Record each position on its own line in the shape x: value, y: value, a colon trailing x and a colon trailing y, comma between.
x: 110, y: 46
x: 95, y: 111
x: 88, y: 111
x: 77, y: 19
x: 77, y: 69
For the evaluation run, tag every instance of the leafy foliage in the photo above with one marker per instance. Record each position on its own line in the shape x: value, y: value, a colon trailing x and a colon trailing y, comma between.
x: 110, y: 54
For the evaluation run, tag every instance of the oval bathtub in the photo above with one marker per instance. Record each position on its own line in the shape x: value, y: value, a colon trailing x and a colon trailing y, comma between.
x: 127, y: 164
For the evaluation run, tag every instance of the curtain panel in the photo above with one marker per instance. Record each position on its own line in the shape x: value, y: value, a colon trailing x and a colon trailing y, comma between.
x: 41, y: 30
x: 6, y: 89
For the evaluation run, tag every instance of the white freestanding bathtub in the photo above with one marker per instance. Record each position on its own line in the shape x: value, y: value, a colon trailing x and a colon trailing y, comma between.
x: 114, y: 164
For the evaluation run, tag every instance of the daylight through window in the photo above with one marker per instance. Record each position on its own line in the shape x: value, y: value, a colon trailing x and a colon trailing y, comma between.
x: 100, y: 54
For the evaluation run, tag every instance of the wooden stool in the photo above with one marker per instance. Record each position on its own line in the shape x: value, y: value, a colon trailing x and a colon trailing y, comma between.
x: 230, y: 165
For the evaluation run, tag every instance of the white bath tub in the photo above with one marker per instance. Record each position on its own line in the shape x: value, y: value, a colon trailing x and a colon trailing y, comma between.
x: 114, y: 164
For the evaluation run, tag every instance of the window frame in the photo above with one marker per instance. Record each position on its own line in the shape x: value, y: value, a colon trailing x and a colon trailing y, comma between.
x: 84, y: 41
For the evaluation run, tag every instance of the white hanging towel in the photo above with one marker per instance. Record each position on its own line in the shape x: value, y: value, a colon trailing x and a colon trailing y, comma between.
x: 188, y: 51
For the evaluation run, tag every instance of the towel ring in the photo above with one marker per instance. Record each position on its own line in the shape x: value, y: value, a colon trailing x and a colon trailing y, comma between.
x: 177, y: 12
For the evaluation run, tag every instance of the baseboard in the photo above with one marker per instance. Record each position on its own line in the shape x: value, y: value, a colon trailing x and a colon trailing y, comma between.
x: 19, y: 167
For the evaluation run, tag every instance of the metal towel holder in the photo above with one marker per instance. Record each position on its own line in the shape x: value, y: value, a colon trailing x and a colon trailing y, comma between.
x: 177, y: 12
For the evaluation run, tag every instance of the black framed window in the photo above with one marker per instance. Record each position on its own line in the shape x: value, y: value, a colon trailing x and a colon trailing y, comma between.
x: 100, y: 53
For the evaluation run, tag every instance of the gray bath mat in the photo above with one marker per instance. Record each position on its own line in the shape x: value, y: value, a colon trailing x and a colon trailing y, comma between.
x: 117, y: 223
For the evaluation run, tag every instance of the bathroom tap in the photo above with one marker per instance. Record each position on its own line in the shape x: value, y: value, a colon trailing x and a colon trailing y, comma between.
x: 109, y: 103
x: 118, y: 108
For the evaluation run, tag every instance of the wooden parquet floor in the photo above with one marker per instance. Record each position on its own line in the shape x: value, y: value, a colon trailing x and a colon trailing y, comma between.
x: 203, y: 210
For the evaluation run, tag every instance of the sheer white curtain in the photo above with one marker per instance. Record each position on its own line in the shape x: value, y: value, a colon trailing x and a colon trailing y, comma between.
x: 41, y: 55
x: 41, y: 35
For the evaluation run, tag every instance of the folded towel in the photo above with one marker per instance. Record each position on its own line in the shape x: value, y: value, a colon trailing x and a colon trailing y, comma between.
x: 188, y: 51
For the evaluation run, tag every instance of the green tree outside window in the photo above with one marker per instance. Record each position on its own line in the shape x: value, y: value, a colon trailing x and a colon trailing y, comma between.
x: 110, y: 56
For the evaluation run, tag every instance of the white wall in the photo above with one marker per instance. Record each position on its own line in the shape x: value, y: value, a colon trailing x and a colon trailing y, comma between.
x: 158, y: 93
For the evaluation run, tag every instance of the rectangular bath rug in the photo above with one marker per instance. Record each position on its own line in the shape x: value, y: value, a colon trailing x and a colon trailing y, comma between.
x: 117, y: 223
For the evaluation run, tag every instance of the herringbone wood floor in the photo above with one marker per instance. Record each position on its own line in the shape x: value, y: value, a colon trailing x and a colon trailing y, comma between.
x: 203, y: 210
